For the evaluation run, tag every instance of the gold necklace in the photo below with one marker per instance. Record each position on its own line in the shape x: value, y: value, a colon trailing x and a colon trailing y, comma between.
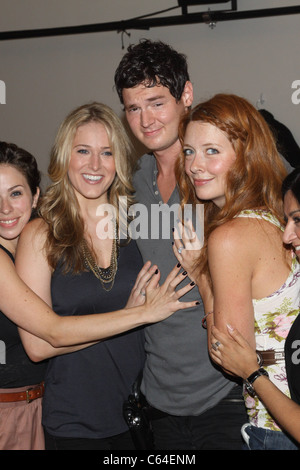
x: 105, y: 275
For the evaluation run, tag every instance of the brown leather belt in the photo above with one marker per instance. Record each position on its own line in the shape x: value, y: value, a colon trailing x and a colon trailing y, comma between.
x: 26, y: 395
x: 271, y: 356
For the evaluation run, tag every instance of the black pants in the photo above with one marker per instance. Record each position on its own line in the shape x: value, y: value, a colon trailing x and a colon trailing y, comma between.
x: 217, y: 428
x: 120, y: 442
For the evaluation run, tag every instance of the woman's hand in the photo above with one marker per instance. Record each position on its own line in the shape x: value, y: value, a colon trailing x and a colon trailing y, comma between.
x: 187, y: 247
x: 233, y: 352
x: 137, y: 296
x: 162, y: 301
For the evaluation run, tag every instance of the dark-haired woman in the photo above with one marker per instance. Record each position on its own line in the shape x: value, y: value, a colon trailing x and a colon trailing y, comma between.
x: 19, y: 192
x: 235, y: 354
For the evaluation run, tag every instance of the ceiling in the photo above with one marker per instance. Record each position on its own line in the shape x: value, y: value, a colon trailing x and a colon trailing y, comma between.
x: 152, y: 20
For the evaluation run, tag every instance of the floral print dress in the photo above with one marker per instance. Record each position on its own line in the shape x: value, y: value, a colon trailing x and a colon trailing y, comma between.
x: 274, y: 316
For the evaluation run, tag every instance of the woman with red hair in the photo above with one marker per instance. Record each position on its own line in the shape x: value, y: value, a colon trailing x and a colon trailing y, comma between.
x: 244, y: 273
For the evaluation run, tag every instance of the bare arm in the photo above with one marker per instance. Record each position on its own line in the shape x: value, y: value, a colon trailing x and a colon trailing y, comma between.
x: 32, y: 266
x: 231, y: 267
x: 21, y: 305
x: 33, y: 269
x: 38, y: 349
x: 236, y: 355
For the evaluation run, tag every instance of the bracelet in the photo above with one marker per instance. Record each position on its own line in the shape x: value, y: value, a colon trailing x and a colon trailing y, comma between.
x: 251, y: 379
x: 204, y: 319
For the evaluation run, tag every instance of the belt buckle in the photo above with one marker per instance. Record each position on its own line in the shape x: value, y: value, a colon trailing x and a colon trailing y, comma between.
x: 279, y: 356
x: 28, y: 399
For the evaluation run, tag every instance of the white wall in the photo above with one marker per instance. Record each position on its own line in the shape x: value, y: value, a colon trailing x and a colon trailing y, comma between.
x: 47, y: 77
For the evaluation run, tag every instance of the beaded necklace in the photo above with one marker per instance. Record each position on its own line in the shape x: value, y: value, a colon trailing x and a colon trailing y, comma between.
x: 105, y: 275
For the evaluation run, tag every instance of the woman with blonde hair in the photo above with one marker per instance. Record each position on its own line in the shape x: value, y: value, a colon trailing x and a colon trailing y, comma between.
x: 230, y: 163
x: 60, y: 208
x: 74, y: 260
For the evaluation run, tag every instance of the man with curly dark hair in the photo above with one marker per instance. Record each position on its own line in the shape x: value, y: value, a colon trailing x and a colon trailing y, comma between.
x: 193, y: 405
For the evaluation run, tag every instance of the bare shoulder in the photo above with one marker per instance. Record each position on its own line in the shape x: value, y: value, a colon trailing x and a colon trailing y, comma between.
x: 31, y: 257
x: 34, y: 233
x: 36, y: 225
x: 242, y: 230
x: 242, y: 241
x: 230, y: 233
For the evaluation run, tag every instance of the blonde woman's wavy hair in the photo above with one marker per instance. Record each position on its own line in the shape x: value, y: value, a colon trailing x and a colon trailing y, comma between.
x: 59, y: 206
x: 255, y: 178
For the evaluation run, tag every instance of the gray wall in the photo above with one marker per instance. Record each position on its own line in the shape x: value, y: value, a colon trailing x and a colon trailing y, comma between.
x: 47, y: 77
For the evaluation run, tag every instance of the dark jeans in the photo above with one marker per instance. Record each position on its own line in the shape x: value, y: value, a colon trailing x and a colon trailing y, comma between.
x: 265, y: 439
x: 119, y: 442
x: 217, y: 428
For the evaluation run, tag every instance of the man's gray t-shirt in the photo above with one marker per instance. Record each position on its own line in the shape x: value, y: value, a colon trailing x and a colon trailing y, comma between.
x: 179, y: 377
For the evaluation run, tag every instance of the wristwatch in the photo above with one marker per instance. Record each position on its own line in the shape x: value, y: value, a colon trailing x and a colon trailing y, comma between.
x: 251, y: 379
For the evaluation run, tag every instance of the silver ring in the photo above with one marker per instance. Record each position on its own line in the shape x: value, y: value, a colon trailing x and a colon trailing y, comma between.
x: 215, y: 345
x: 143, y: 293
x: 180, y: 249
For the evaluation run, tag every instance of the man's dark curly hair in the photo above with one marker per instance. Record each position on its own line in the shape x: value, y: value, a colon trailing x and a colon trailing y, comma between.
x: 152, y: 63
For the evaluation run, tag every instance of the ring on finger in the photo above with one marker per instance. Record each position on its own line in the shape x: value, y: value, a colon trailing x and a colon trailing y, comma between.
x: 142, y: 293
x: 180, y: 249
x: 215, y: 345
